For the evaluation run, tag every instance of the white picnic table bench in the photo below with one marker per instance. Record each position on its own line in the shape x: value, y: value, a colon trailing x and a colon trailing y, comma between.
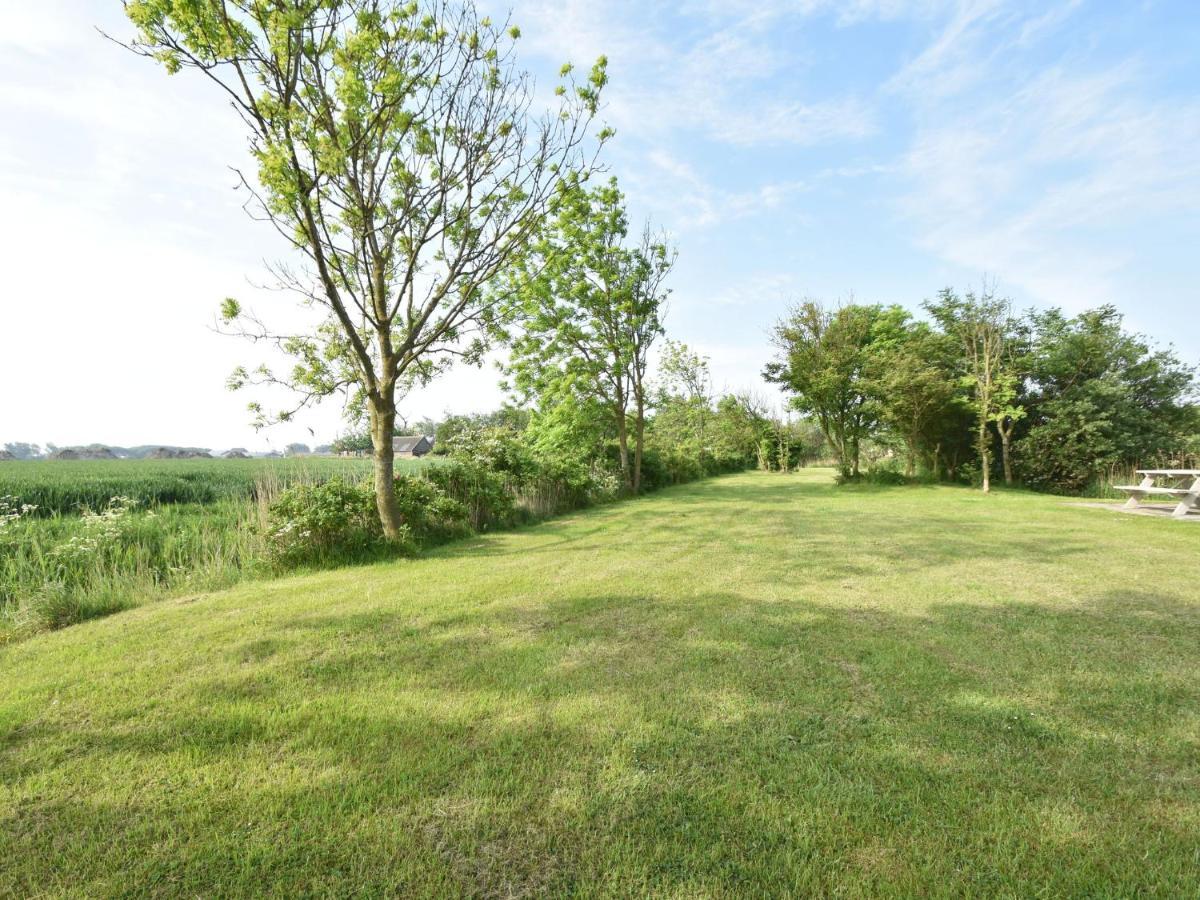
x: 1183, y: 484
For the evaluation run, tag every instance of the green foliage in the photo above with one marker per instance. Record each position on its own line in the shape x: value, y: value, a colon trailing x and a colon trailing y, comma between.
x: 1100, y: 399
x: 913, y: 385
x: 496, y: 447
x: 154, y: 539
x: 482, y: 492
x: 67, y: 487
x: 398, y: 148
x: 430, y: 516
x: 588, y: 309
x: 984, y: 326
x: 336, y: 521
x: 1069, y: 400
x: 445, y: 432
x: 882, y: 474
x: 823, y: 360
x: 64, y: 569
x: 323, y: 523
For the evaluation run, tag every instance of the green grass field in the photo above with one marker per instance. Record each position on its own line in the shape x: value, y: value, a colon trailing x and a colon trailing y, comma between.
x: 758, y: 685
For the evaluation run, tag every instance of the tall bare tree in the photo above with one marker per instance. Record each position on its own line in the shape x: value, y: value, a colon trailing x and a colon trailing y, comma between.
x: 400, y: 152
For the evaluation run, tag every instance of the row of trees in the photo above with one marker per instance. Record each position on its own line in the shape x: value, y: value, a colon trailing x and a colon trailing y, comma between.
x: 437, y: 208
x: 689, y: 429
x: 437, y: 211
x: 978, y: 391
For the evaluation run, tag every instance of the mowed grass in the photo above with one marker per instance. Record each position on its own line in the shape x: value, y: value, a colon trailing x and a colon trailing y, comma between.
x: 759, y: 685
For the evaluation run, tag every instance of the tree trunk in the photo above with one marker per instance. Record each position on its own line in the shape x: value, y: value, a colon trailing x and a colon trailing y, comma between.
x: 638, y: 444
x: 854, y: 456
x: 985, y: 457
x: 383, y: 424
x: 841, y: 452
x: 623, y: 446
x: 1005, y: 435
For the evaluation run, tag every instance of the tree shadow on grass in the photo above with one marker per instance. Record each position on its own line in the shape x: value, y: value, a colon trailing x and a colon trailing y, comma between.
x: 619, y: 745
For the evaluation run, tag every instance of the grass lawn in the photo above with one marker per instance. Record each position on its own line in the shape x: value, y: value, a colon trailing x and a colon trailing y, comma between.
x: 756, y: 685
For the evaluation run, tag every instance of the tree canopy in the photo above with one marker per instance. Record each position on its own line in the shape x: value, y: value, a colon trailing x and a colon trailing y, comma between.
x: 589, y: 307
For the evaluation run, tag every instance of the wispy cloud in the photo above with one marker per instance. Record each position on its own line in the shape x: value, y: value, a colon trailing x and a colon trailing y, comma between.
x: 1039, y: 176
x: 727, y: 77
x: 687, y: 200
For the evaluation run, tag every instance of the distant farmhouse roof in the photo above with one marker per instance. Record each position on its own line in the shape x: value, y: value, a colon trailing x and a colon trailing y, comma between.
x: 412, y: 445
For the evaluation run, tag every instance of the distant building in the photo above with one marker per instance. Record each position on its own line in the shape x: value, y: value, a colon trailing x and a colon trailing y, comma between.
x: 408, y: 447
x: 412, y: 446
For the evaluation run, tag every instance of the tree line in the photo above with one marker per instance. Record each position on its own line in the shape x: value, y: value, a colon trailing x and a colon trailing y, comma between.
x: 977, y: 392
x: 438, y: 206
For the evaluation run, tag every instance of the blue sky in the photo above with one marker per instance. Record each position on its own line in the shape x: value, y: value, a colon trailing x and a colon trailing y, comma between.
x: 874, y: 149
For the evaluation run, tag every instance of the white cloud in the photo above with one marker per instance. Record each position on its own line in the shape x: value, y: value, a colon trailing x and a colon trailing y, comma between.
x: 708, y: 78
x: 1041, y: 176
x: 686, y: 200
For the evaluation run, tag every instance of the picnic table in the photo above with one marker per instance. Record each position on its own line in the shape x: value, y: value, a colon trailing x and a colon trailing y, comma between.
x: 1183, y: 484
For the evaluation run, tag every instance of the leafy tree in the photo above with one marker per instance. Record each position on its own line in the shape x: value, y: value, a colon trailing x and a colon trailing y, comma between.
x: 914, y: 385
x: 590, y: 308
x: 684, y: 373
x: 683, y: 399
x: 823, y: 360
x: 399, y: 152
x: 1100, y: 397
x: 738, y: 428
x: 984, y: 326
x: 297, y: 450
x: 570, y: 424
x: 355, y: 442
x: 23, y: 450
x: 445, y: 432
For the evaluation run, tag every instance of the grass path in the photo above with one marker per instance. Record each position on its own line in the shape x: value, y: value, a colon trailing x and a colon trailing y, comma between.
x: 757, y: 685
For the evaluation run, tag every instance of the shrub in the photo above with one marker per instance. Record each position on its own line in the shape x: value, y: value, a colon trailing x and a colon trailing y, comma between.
x: 884, y: 474
x: 556, y: 486
x: 428, y: 513
x: 313, y: 523
x: 494, y: 447
x: 481, y: 490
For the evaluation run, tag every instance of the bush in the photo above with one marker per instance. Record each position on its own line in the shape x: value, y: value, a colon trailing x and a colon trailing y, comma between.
x: 482, y: 491
x: 316, y: 523
x: 1065, y: 455
x: 555, y: 486
x: 494, y: 447
x: 884, y: 474
x: 428, y: 513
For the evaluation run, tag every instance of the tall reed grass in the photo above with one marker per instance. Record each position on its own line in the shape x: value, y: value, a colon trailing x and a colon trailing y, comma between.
x: 82, y: 539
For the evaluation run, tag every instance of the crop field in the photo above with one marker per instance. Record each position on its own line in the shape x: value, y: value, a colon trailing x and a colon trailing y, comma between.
x: 66, y: 487
x: 84, y: 538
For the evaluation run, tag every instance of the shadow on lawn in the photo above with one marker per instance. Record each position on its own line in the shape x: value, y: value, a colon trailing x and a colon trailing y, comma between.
x: 713, y: 744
